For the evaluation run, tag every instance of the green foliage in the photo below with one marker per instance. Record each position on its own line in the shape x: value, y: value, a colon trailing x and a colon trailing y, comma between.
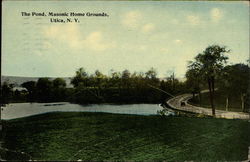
x: 235, y: 79
x: 6, y: 92
x: 208, y: 66
x: 80, y: 77
x: 44, y: 89
x: 31, y: 87
x: 118, y: 87
x: 235, y: 83
x: 211, y: 61
x: 59, y: 83
x: 122, y: 87
x: 47, y: 90
x: 194, y: 80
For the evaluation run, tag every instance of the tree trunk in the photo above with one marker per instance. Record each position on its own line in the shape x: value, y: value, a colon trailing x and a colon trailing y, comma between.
x: 227, y: 104
x: 211, y: 97
x: 242, y: 102
x: 173, y: 83
x: 200, y: 97
x: 213, y: 108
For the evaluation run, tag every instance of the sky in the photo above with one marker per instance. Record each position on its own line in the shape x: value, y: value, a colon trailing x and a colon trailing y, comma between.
x: 134, y: 36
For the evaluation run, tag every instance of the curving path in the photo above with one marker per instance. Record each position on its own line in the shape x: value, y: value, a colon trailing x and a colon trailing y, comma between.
x: 175, y: 103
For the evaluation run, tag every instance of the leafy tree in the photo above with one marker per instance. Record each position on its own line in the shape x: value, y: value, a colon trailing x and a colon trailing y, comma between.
x: 100, y: 79
x: 31, y: 88
x: 151, y: 73
x: 81, y: 78
x: 151, y: 77
x: 59, y: 89
x: 235, y: 82
x: 194, y: 80
x: 99, y: 83
x: 59, y: 83
x: 115, y: 79
x: 209, y: 63
x: 6, y: 92
x: 126, y: 79
x: 44, y: 89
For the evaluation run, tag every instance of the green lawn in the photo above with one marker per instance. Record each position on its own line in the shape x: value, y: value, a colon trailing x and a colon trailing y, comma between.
x: 103, y: 136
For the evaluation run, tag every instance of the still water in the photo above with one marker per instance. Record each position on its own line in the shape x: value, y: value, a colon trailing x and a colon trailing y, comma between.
x: 18, y: 110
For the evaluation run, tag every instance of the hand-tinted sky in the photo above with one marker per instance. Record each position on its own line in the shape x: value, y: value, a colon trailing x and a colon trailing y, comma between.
x: 135, y: 36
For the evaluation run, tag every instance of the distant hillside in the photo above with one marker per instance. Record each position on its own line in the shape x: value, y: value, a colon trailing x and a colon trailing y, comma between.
x: 19, y: 80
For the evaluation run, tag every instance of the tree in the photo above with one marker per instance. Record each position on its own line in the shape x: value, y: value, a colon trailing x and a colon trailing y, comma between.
x: 115, y: 79
x: 209, y: 63
x: 151, y: 73
x: 126, y: 79
x: 59, y: 89
x: 59, y: 83
x: 6, y: 92
x: 99, y: 83
x: 235, y: 82
x: 44, y: 89
x: 80, y: 78
x: 151, y: 77
x: 193, y: 81
x: 31, y: 88
x: 99, y: 79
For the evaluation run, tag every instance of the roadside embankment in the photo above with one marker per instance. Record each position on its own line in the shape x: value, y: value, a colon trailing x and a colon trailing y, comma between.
x: 180, y: 103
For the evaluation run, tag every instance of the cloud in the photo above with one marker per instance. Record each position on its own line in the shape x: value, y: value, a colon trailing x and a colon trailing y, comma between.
x: 246, y: 3
x: 142, y: 47
x: 175, y: 21
x: 216, y: 14
x: 95, y: 41
x: 148, y: 28
x: 71, y: 35
x: 178, y: 41
x: 193, y: 20
x: 164, y: 50
x: 68, y: 33
x: 133, y: 47
x: 131, y: 19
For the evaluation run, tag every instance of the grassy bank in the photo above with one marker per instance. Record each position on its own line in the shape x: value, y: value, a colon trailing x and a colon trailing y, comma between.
x: 100, y: 136
x: 234, y: 103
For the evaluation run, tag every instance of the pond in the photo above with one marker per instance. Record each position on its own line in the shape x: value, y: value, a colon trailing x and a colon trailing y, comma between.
x: 18, y: 110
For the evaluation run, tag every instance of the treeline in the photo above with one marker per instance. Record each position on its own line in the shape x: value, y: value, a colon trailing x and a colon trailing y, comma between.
x: 43, y: 90
x: 123, y: 87
x: 118, y: 87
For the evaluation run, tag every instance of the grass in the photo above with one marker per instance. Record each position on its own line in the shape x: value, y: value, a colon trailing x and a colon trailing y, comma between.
x: 103, y: 136
x: 234, y: 103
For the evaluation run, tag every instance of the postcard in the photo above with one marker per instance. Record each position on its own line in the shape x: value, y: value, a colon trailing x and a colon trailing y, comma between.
x: 125, y: 81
